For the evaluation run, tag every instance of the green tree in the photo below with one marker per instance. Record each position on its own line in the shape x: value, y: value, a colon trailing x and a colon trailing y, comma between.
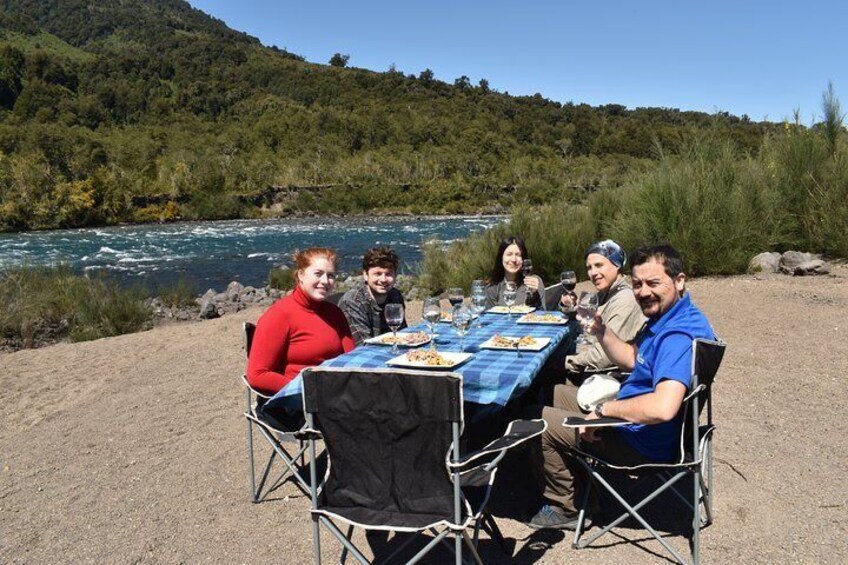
x: 339, y: 60
x: 12, y: 65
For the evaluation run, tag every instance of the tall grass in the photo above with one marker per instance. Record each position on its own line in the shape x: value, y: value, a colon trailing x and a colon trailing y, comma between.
x: 39, y: 305
x: 717, y: 205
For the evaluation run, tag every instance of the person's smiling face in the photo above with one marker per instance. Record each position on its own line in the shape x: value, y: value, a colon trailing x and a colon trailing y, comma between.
x: 602, y: 272
x: 380, y: 280
x: 656, y: 291
x: 318, y: 279
x: 512, y: 260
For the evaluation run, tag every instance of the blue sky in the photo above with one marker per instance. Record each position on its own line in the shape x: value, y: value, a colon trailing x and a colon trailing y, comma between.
x: 763, y: 59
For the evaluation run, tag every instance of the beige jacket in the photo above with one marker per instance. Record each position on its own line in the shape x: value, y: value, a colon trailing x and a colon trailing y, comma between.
x: 620, y: 313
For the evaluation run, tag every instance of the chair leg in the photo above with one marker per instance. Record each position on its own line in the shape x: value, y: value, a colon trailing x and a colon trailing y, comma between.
x: 343, y: 558
x: 491, y: 527
x: 581, y: 517
x: 253, y: 494
x: 696, y: 517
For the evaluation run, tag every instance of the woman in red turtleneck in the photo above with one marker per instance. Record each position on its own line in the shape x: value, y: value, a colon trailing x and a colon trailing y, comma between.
x: 300, y: 330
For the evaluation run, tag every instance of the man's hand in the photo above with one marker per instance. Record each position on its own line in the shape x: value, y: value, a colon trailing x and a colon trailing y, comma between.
x: 568, y: 301
x: 589, y: 435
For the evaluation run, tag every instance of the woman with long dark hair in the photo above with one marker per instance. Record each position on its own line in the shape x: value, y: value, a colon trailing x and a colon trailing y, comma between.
x: 508, y: 269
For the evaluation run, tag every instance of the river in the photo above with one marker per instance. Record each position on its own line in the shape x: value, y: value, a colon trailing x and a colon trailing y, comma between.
x: 213, y: 253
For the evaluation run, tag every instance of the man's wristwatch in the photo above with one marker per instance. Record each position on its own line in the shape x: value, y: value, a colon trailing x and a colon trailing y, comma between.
x: 599, y: 410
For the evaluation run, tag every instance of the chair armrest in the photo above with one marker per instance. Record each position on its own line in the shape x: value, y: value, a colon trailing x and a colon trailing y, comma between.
x: 575, y: 422
x: 517, y: 432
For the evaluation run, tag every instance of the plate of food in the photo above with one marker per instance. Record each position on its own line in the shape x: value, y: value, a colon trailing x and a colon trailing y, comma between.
x: 543, y: 318
x: 524, y: 343
x: 520, y: 309
x: 428, y: 359
x: 403, y: 339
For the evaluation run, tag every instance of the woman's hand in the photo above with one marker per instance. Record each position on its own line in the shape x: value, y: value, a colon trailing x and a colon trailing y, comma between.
x: 532, y: 284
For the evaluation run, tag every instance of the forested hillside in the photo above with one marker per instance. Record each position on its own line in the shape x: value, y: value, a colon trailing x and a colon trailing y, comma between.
x: 150, y: 110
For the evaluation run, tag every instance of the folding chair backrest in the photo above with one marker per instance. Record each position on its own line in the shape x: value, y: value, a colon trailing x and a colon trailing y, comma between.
x: 552, y: 295
x: 387, y: 433
x: 706, y: 359
x: 249, y: 330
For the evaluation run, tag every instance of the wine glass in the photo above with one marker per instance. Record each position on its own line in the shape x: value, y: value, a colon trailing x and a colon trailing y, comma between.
x: 568, y: 279
x: 587, y: 305
x: 394, y: 318
x: 477, y: 285
x: 509, y: 296
x: 455, y: 296
x: 526, y: 270
x: 461, y: 322
x: 432, y: 313
x: 478, y: 304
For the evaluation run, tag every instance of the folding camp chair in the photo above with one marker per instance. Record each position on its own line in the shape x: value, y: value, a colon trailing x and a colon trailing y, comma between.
x: 552, y: 295
x: 394, y: 458
x: 276, y: 435
x: 695, y: 459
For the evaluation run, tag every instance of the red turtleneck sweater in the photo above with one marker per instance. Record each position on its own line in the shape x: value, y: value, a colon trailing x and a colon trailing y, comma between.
x: 295, y: 332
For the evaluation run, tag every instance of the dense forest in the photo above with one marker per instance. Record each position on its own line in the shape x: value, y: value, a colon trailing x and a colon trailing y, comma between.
x: 150, y: 110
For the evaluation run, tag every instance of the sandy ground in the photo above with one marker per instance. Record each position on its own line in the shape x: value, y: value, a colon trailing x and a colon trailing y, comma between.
x: 132, y: 449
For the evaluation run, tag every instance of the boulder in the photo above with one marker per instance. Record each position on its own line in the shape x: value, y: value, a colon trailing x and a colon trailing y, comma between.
x: 792, y: 259
x: 234, y: 290
x: 764, y: 263
x: 208, y: 295
x: 814, y: 267
x: 208, y: 309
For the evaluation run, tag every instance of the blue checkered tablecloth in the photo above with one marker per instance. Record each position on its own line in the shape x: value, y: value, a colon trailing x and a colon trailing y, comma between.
x: 490, y: 377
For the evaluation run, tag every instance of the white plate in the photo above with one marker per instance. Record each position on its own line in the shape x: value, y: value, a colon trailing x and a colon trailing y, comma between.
x: 537, y: 319
x: 522, y: 309
x: 379, y: 340
x: 539, y: 344
x: 455, y: 358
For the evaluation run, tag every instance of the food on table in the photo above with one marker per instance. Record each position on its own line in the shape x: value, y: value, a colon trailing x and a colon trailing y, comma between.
x: 447, y: 316
x: 524, y: 341
x: 546, y: 318
x: 407, y: 338
x: 428, y: 357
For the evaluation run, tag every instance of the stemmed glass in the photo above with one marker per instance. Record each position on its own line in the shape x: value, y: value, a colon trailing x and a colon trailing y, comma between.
x: 432, y: 313
x: 394, y: 318
x: 509, y: 296
x: 587, y: 306
x: 568, y: 279
x: 461, y: 322
x: 455, y: 296
x: 526, y: 270
x: 478, y: 305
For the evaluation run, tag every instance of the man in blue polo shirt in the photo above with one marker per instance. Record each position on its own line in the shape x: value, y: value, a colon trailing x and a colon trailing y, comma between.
x: 650, y: 398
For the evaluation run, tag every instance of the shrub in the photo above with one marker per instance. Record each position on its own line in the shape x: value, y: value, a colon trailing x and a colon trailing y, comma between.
x: 281, y: 278
x: 40, y: 305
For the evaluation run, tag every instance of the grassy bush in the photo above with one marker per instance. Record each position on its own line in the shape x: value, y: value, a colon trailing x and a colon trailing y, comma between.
x: 718, y: 205
x: 281, y: 278
x: 39, y: 305
x: 714, y: 206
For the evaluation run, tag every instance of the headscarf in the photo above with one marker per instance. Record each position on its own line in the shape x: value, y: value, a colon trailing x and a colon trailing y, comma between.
x: 609, y: 249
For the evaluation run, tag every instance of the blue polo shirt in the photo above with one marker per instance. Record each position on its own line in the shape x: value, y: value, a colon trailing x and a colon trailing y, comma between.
x: 664, y: 352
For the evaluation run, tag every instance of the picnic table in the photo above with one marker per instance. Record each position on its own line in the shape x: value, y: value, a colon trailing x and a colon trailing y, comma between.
x: 491, y: 377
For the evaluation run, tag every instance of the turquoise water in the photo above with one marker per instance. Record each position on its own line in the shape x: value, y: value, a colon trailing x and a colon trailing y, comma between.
x: 211, y: 254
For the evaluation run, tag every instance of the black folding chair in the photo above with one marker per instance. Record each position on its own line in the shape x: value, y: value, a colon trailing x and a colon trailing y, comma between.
x: 552, y: 295
x: 394, y: 458
x: 276, y: 434
x: 695, y: 459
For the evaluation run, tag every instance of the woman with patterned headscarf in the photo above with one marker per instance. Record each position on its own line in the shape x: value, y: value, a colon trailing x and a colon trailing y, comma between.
x: 617, y: 306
